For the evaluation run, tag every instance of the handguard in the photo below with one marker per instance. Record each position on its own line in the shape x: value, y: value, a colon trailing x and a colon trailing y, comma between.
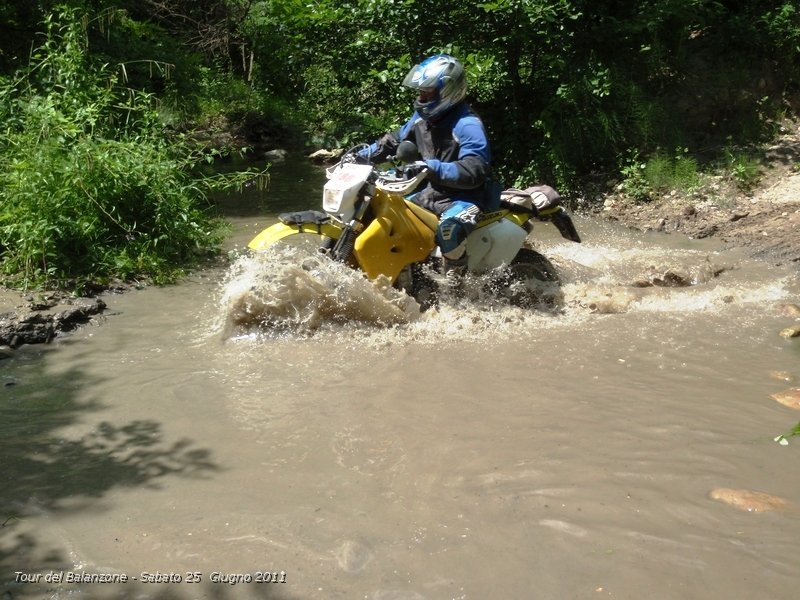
x: 402, y: 187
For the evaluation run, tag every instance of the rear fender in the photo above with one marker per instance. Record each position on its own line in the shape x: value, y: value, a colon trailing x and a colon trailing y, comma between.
x: 275, y: 233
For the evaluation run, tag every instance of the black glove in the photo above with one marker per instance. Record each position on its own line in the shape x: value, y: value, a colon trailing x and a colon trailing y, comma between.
x: 414, y: 169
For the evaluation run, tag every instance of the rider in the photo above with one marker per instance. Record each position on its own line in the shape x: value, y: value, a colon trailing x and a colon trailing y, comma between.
x: 453, y: 144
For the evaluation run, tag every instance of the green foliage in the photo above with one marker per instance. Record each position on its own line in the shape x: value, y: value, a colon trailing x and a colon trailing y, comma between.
x: 634, y: 181
x: 222, y: 93
x: 90, y: 186
x: 666, y: 173
x: 782, y: 24
x: 564, y: 86
x: 743, y: 167
x: 659, y: 174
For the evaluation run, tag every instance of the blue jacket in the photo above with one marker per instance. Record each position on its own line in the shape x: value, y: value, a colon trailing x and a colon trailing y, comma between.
x: 455, y: 149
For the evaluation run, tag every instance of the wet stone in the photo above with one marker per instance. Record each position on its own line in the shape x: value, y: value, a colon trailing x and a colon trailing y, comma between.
x: 36, y: 327
x: 325, y: 155
x: 672, y: 278
x: 641, y: 283
x: 790, y: 398
x: 790, y: 332
x: 748, y: 500
x: 277, y: 155
x: 678, y: 278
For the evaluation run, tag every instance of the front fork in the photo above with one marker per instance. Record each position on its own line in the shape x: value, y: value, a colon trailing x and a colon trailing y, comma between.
x: 343, y: 248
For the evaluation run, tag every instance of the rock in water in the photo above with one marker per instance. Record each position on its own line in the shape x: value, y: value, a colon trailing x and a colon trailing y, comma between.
x: 326, y: 155
x: 791, y: 332
x: 790, y: 310
x: 671, y: 278
x: 790, y: 398
x: 277, y: 155
x: 782, y: 376
x: 353, y: 556
x: 748, y: 500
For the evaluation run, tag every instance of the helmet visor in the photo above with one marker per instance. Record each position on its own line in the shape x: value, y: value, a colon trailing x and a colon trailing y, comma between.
x: 421, y: 78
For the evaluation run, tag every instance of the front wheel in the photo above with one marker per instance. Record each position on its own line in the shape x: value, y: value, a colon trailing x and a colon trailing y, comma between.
x: 530, y: 281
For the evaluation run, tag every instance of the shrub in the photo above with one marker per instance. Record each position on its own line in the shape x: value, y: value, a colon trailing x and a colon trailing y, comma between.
x: 743, y: 168
x: 91, y: 188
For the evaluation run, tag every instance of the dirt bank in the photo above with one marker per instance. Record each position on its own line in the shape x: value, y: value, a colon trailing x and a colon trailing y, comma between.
x: 765, y: 221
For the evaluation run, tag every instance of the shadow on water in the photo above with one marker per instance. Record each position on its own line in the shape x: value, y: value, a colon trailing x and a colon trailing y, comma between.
x: 46, y: 468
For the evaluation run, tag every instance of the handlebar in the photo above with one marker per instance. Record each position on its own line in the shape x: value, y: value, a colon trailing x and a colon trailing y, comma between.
x: 402, y: 180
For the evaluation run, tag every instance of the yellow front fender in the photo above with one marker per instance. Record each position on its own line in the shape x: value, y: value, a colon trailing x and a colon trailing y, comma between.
x: 277, y: 232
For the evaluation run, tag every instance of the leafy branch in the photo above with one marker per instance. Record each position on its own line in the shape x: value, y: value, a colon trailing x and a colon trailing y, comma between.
x: 783, y: 439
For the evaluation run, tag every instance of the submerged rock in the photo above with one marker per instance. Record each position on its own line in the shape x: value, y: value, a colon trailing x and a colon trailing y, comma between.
x: 672, y: 278
x: 676, y: 278
x: 782, y: 376
x: 277, y: 155
x: 790, y: 398
x: 748, y: 500
x: 791, y: 332
x: 790, y: 310
x: 353, y: 556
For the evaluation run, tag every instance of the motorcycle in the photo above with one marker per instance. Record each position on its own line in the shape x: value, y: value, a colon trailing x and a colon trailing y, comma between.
x: 369, y: 223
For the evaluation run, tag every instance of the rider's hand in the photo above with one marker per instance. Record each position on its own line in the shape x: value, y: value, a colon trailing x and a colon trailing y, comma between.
x: 413, y: 169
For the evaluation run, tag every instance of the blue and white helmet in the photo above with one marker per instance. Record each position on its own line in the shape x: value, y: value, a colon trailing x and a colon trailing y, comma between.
x: 444, y: 76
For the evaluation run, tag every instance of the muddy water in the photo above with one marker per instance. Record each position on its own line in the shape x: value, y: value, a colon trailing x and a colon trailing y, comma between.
x: 238, y: 424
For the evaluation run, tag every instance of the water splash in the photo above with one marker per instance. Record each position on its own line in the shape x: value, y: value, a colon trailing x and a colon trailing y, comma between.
x: 294, y: 292
x: 290, y: 289
x: 609, y: 279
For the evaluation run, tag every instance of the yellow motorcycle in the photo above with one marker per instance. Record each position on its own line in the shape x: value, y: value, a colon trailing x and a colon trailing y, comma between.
x: 369, y: 223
